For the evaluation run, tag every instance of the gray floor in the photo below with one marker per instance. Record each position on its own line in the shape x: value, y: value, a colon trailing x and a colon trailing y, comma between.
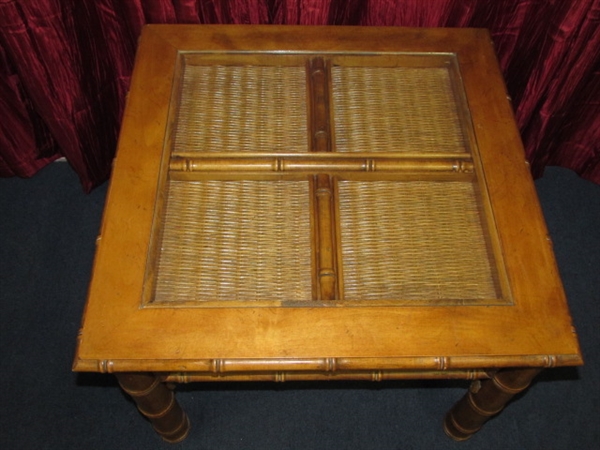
x: 47, y: 232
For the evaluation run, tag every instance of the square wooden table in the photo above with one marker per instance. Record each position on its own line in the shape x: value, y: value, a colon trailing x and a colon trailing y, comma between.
x: 306, y: 203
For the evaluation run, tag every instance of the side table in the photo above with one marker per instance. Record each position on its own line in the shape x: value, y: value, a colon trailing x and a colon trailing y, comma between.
x: 305, y: 203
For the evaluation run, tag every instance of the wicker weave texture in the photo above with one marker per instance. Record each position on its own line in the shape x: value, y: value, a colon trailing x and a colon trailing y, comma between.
x: 242, y: 108
x: 423, y: 240
x: 235, y: 240
x: 403, y: 109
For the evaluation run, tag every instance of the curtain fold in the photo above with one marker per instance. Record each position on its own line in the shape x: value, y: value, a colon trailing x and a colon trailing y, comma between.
x: 65, y: 67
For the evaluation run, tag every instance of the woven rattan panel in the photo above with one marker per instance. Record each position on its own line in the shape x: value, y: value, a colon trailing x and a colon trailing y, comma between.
x: 250, y: 240
x: 401, y: 109
x: 242, y: 108
x: 235, y: 240
x: 423, y: 240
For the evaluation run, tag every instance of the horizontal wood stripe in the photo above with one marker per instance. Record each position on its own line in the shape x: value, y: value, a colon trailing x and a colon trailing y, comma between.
x: 332, y: 163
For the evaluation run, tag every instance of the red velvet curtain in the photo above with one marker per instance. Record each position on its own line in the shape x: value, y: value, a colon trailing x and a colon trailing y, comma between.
x: 65, y: 68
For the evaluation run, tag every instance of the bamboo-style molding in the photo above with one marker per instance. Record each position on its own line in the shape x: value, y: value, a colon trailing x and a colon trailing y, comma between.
x: 322, y: 185
x: 323, y: 163
x: 157, y: 403
x: 249, y: 367
x: 374, y: 375
x: 318, y: 84
x: 326, y: 265
x: 484, y: 400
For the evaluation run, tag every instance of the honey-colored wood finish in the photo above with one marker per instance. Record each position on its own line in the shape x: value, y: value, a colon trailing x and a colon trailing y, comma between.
x: 323, y: 159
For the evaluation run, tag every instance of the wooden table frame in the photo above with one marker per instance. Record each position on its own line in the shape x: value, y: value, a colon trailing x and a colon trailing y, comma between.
x: 501, y: 344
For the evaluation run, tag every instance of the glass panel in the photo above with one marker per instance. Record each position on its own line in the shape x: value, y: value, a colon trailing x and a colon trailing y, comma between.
x: 395, y: 109
x: 242, y: 109
x: 423, y: 240
x: 235, y: 240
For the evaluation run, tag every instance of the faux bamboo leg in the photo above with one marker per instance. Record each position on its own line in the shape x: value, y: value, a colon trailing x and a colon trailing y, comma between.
x: 156, y: 402
x: 484, y: 400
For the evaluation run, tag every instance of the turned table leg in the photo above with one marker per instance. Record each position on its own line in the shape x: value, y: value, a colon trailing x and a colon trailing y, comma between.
x: 484, y: 400
x: 156, y: 402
